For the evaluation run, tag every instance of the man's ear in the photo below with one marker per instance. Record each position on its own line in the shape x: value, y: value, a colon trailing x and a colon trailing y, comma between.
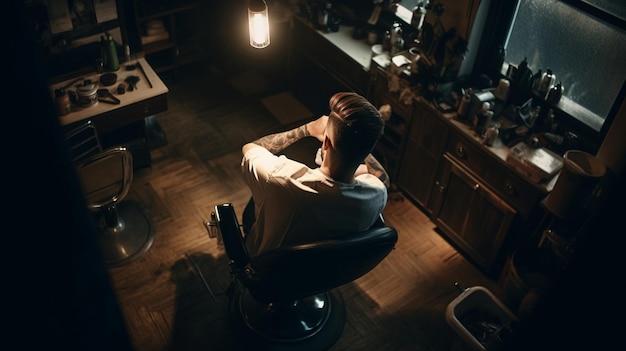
x: 326, y: 144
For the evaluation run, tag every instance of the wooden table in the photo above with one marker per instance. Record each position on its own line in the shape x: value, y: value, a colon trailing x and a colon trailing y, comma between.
x: 149, y: 98
x: 125, y: 122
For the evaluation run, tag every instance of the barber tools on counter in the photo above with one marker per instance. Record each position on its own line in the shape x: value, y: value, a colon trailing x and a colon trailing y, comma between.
x: 104, y: 95
x: 83, y: 93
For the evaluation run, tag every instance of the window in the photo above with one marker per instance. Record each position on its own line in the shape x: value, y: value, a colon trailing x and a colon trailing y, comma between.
x: 585, y: 54
x: 579, y: 40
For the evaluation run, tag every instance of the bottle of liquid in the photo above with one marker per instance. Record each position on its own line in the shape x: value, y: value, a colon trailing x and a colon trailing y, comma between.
x: 482, y: 119
x: 129, y: 63
x: 113, y: 62
x: 523, y: 76
x: 547, y: 82
x: 387, y: 42
x: 323, y: 16
x: 397, y: 39
x: 491, y: 134
x: 464, y: 104
x: 104, y: 52
x: 554, y: 94
x: 62, y: 100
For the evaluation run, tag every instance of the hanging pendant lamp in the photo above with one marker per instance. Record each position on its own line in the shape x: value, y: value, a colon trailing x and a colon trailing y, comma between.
x: 258, y: 21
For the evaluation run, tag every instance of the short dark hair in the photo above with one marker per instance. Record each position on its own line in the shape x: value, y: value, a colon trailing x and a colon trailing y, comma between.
x: 357, y: 125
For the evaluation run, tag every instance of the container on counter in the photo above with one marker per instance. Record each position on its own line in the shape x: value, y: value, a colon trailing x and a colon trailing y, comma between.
x: 62, y: 100
x: 86, y: 94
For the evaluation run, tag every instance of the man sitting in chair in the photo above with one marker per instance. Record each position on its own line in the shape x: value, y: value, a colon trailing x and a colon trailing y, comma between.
x: 293, y: 203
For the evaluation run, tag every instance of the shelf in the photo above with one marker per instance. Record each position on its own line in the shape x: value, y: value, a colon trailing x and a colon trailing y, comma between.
x: 166, y: 11
x: 182, y: 21
x: 157, y: 46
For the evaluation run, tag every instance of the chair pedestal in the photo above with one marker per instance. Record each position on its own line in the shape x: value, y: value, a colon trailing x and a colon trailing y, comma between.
x: 127, y: 233
x: 313, y: 323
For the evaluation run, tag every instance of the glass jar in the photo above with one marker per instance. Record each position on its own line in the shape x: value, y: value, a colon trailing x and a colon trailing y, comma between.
x: 87, y: 94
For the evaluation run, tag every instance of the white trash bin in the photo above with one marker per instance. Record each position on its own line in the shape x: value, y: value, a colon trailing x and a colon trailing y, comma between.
x: 479, y: 318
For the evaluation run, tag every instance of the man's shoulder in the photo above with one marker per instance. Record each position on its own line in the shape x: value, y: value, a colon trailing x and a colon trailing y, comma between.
x: 371, y: 180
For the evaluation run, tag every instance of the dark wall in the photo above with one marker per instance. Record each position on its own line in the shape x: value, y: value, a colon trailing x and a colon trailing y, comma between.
x: 55, y: 285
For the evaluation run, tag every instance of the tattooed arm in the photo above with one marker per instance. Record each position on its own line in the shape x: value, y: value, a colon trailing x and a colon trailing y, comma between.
x: 372, y: 166
x: 277, y: 142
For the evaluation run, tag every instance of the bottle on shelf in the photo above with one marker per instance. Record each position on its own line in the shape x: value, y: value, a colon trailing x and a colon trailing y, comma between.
x: 482, y: 119
x: 464, y: 103
x: 547, y: 82
x: 113, y: 63
x: 554, y: 94
x: 397, y: 39
x: 387, y: 42
x: 523, y: 76
x: 62, y: 100
x: 130, y: 65
x: 323, y: 16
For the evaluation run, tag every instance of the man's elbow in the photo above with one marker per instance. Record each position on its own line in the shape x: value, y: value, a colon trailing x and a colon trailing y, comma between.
x: 247, y: 147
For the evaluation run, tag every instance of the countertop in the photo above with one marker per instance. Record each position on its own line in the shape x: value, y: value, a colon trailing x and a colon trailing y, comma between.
x: 498, y: 150
x: 148, y: 86
x: 361, y: 53
x: 358, y: 49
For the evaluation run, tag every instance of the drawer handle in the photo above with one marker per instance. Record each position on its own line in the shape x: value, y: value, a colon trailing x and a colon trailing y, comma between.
x: 440, y: 187
x: 510, y: 189
x: 460, y: 151
x: 476, y: 186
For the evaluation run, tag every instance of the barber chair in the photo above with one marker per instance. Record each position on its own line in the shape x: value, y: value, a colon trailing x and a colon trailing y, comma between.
x: 286, y: 298
x: 106, y: 175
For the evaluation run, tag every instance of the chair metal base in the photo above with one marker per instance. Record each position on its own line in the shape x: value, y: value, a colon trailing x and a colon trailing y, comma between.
x: 130, y: 238
x: 314, y: 323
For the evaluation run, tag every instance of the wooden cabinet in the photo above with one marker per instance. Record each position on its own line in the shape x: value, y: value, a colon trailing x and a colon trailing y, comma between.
x: 471, y: 215
x: 178, y: 41
x: 517, y: 191
x: 425, y: 143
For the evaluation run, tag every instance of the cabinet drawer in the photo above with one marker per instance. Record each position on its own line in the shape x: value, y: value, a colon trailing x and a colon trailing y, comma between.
x: 131, y: 113
x: 514, y: 189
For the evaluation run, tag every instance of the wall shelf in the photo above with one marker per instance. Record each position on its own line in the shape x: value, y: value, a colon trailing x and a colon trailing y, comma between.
x: 169, y: 50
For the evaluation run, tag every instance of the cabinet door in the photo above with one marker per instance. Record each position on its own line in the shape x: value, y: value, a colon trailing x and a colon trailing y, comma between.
x: 470, y: 215
x: 423, y: 150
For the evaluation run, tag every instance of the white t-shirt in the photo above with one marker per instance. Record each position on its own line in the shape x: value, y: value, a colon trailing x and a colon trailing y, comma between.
x: 296, y: 204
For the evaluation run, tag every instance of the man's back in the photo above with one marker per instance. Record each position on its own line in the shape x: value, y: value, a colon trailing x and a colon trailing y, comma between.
x: 296, y: 204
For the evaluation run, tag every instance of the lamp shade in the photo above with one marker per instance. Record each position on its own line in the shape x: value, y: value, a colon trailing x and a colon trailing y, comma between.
x: 258, y: 21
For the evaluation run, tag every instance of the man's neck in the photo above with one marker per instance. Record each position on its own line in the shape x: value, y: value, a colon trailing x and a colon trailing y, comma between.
x: 337, y: 174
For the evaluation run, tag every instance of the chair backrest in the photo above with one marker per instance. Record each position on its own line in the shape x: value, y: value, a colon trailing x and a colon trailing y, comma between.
x: 106, y: 176
x: 83, y: 140
x: 292, y: 272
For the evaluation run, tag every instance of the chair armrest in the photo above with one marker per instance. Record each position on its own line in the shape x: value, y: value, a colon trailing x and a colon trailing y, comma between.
x: 231, y: 235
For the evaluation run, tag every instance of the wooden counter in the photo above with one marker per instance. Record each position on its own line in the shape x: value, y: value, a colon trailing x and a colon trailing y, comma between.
x: 124, y: 123
x: 149, y: 98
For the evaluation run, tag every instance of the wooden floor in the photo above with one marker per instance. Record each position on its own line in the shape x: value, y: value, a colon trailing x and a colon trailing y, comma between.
x: 400, y: 305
